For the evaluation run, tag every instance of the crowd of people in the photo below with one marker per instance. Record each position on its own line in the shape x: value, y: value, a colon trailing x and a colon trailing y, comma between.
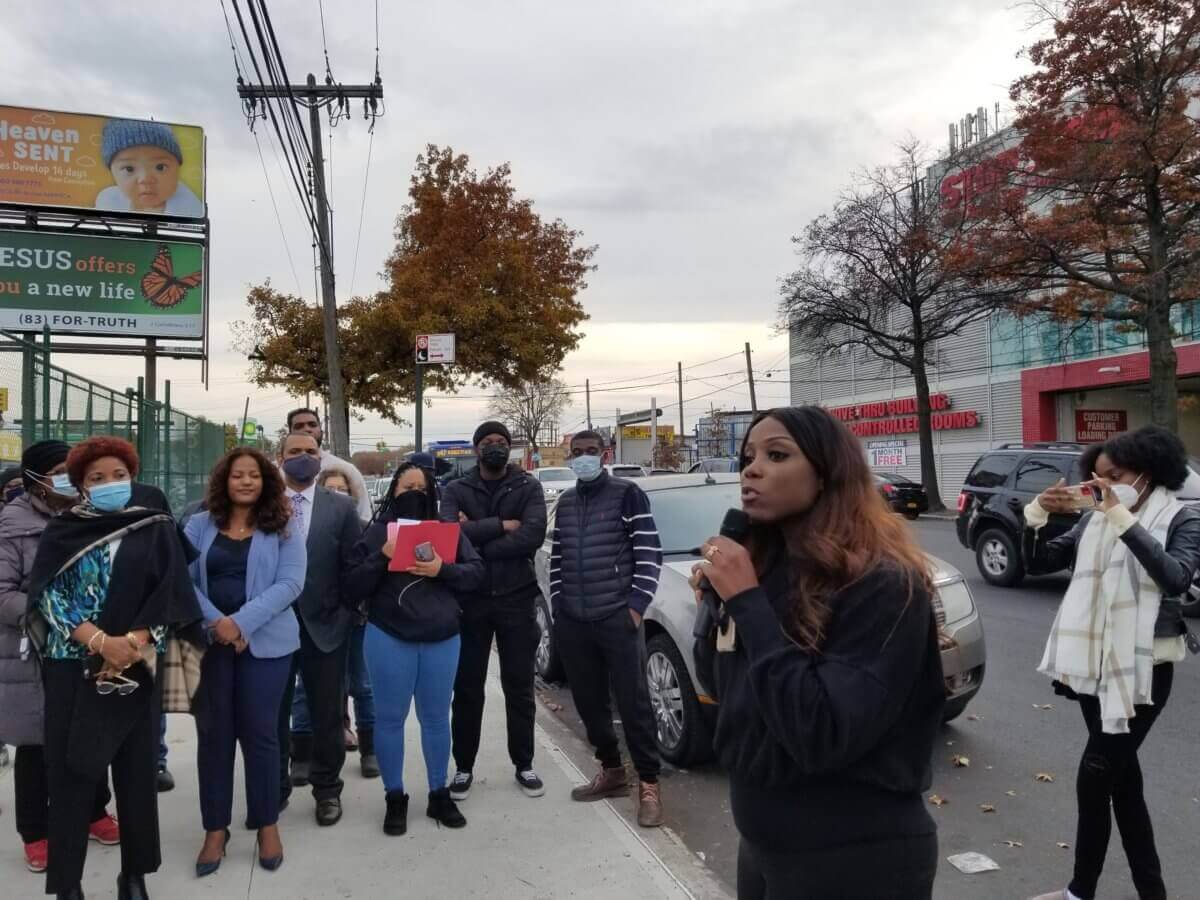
x: 284, y: 582
x: 280, y: 582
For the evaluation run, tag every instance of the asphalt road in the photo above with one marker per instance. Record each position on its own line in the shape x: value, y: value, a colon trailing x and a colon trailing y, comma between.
x: 1009, y: 742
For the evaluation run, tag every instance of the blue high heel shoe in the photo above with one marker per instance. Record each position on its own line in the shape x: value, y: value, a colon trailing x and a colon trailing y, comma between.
x: 204, y: 869
x: 270, y: 863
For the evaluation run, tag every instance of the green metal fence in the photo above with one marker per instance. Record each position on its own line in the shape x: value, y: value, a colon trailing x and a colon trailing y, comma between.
x: 45, y: 401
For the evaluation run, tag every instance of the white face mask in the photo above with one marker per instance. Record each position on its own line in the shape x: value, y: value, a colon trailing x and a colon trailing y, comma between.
x: 1127, y: 494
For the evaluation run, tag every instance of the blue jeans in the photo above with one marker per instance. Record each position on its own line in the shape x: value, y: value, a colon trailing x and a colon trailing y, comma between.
x: 162, y: 741
x: 358, y: 682
x: 400, y: 671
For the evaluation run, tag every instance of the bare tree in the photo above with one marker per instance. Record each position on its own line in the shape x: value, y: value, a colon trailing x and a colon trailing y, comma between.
x: 886, y: 271
x: 532, y: 406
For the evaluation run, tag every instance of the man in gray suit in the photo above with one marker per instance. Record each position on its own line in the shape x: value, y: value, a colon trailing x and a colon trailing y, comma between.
x: 331, y: 528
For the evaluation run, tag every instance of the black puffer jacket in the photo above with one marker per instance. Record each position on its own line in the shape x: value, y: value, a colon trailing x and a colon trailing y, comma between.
x: 408, y: 607
x: 507, y: 555
x: 1172, y: 567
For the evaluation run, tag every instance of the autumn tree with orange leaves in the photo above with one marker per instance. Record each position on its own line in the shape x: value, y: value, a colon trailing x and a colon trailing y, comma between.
x: 472, y: 258
x: 1099, y: 213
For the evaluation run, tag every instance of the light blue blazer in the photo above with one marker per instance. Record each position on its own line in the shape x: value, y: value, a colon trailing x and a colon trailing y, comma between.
x: 275, y: 573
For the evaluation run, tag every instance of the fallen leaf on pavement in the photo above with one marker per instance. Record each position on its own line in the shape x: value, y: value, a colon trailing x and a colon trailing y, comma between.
x: 986, y: 807
x: 961, y: 761
x: 1045, y: 777
x: 1011, y: 793
x: 973, y: 718
x: 937, y: 800
x: 1016, y: 844
x: 1062, y: 845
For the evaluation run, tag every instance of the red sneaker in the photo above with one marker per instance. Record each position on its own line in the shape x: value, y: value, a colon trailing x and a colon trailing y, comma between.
x: 105, y: 831
x: 35, y: 856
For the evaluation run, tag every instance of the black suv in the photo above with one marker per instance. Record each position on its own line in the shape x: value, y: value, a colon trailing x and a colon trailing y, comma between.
x: 993, y: 499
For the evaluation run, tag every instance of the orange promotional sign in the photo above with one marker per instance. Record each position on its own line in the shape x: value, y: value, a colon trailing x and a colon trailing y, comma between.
x: 103, y: 163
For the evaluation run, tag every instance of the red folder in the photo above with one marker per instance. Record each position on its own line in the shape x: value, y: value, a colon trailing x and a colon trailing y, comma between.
x: 443, y: 536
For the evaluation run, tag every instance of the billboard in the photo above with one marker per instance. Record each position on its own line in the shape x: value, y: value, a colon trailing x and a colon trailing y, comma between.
x: 115, y: 286
x: 666, y: 433
x: 1095, y: 425
x: 102, y: 163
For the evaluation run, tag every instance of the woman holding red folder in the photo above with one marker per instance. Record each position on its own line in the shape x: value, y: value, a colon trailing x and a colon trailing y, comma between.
x: 412, y: 643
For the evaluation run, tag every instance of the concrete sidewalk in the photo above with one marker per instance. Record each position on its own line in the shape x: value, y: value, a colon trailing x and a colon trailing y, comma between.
x: 513, y: 846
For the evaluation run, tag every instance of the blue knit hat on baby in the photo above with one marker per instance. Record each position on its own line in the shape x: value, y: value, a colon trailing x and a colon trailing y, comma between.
x: 121, y: 134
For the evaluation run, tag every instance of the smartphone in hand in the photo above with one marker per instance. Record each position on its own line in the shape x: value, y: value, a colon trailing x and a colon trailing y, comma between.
x: 423, y: 552
x: 1086, y: 496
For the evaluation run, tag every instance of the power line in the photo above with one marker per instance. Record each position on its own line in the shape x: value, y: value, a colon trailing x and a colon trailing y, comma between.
x: 362, y: 210
x: 279, y: 219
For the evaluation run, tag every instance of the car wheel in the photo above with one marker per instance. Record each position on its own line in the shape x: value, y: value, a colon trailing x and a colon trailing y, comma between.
x: 954, y: 708
x: 998, y: 559
x: 546, y: 662
x: 680, y: 731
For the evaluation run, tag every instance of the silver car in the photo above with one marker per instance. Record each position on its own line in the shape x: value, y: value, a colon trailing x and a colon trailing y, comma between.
x: 554, y: 479
x: 688, y: 509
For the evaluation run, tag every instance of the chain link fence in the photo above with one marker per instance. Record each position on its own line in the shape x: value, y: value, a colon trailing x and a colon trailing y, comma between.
x: 40, y: 401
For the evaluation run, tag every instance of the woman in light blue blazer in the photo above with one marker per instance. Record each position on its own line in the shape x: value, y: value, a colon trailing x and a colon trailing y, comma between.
x: 250, y: 571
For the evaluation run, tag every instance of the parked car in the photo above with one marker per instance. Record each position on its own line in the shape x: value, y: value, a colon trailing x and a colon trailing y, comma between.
x: 991, y: 506
x: 664, y: 472
x: 903, y: 495
x: 716, y: 464
x: 688, y: 509
x: 554, y: 479
x: 625, y: 470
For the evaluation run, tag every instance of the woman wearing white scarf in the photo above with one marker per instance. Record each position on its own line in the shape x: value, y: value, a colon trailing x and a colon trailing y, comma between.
x: 1118, y: 633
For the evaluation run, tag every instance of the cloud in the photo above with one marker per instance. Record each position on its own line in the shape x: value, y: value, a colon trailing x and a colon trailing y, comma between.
x: 689, y: 140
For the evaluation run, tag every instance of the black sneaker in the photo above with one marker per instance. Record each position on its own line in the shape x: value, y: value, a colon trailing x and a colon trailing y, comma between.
x: 460, y: 787
x: 165, y: 781
x: 530, y: 783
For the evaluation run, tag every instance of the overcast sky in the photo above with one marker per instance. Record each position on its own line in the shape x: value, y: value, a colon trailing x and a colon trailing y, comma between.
x: 689, y: 139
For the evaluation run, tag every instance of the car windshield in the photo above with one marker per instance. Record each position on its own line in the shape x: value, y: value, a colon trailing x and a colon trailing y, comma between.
x: 556, y: 475
x: 687, y: 516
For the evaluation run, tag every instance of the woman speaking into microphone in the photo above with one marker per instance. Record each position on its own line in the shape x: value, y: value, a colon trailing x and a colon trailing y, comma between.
x: 828, y: 672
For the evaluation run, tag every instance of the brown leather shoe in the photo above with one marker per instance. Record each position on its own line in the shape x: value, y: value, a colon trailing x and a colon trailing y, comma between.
x: 607, y: 783
x: 650, y: 811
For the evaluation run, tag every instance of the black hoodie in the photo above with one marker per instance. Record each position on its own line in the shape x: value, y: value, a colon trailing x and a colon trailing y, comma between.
x: 409, y: 607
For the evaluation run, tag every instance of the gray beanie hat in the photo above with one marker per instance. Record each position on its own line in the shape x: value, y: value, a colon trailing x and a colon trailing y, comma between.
x: 121, y: 134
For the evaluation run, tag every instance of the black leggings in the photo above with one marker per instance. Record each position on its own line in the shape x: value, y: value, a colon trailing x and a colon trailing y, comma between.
x: 1110, y: 777
x: 900, y: 868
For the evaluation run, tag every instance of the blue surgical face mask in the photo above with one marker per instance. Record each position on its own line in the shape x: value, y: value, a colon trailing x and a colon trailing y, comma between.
x: 59, y: 484
x: 586, y: 467
x: 111, y: 496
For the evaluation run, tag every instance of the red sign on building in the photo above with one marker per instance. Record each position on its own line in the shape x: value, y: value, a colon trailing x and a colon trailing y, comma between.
x: 1092, y: 425
x: 898, y: 416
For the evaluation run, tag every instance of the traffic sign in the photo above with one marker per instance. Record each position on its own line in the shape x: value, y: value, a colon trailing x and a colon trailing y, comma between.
x: 435, y: 349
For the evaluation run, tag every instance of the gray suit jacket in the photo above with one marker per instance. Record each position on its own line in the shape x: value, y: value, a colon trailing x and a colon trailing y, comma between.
x: 332, y: 533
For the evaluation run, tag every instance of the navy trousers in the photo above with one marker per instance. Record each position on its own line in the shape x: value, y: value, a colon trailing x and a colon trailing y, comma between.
x: 239, y: 704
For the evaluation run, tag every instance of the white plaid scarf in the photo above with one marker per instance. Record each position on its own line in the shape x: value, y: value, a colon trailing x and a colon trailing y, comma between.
x: 1102, y: 640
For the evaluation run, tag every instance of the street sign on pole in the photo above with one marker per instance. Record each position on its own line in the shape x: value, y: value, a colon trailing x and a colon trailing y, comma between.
x: 642, y: 415
x: 435, y: 349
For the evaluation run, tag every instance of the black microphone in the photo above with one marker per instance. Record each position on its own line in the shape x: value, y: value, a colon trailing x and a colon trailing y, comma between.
x: 735, y: 526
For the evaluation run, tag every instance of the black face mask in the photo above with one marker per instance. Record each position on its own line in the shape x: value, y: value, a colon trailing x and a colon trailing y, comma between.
x: 410, y: 505
x: 494, y: 456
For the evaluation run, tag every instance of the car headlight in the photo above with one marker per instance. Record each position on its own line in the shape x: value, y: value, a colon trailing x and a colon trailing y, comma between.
x: 954, y: 597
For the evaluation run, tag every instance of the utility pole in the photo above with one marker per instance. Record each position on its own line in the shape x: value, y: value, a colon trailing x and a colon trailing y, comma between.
x: 316, y: 96
x: 653, y: 431
x: 679, y: 378
x: 419, y: 406
x: 750, y: 380
x: 587, y: 393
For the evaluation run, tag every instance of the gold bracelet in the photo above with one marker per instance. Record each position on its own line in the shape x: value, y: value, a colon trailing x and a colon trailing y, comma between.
x: 95, y: 634
x: 133, y: 641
